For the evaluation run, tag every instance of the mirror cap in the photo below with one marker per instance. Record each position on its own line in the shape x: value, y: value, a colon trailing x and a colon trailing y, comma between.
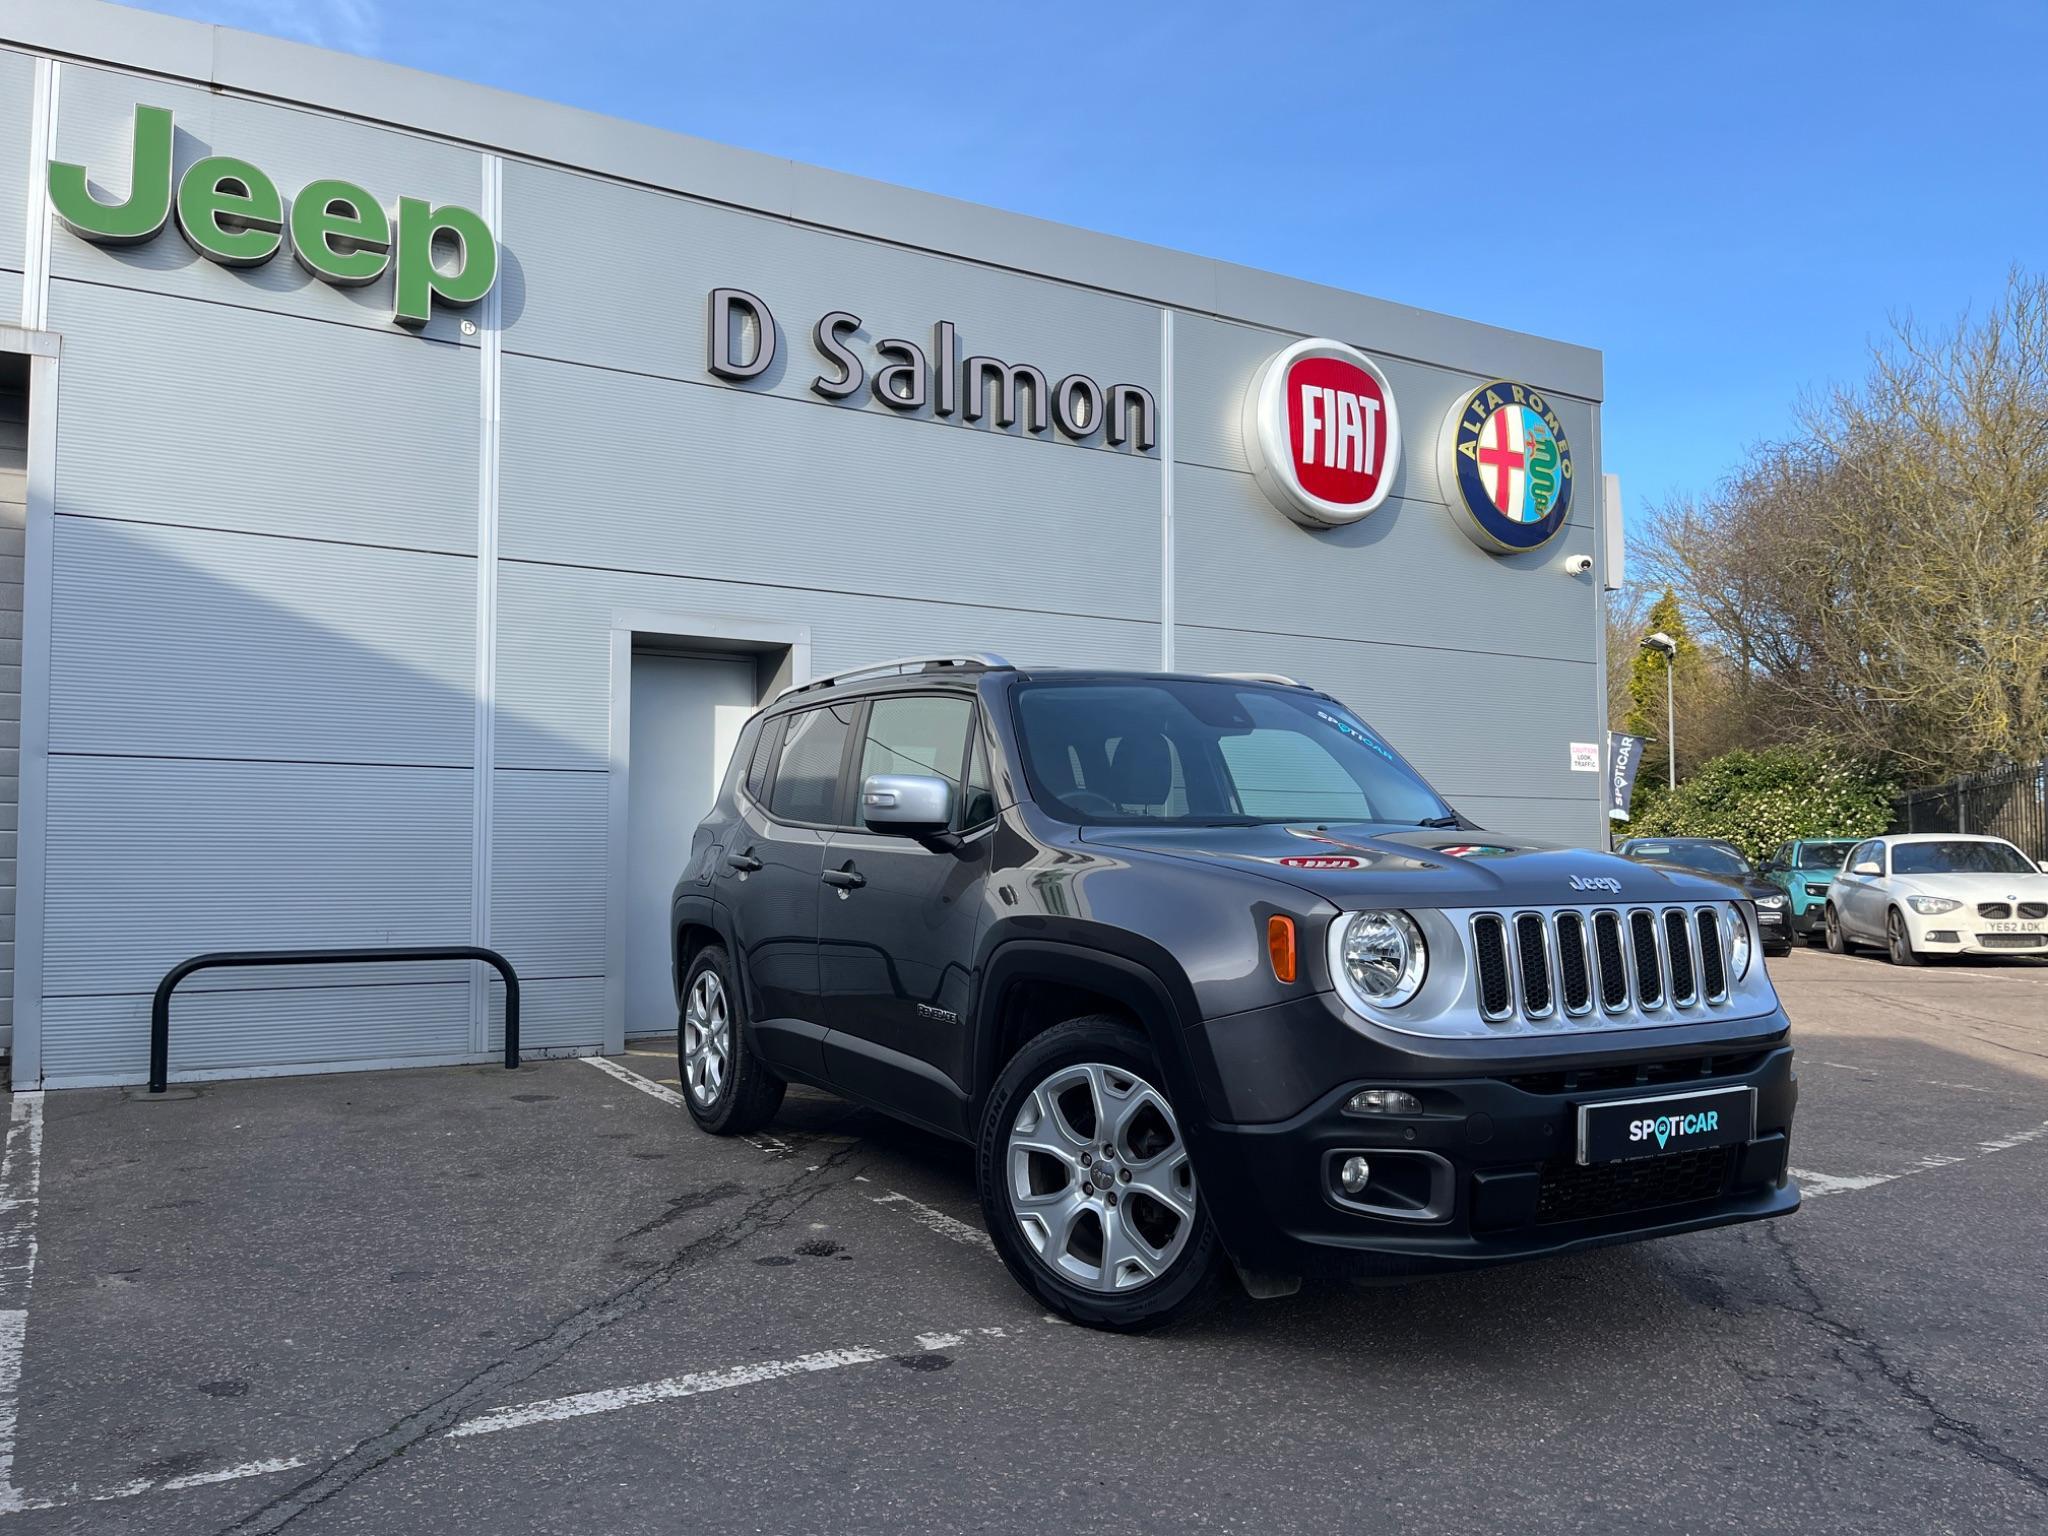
x: 906, y: 800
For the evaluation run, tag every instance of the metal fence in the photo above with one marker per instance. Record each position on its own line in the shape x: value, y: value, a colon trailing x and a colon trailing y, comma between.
x: 2011, y: 803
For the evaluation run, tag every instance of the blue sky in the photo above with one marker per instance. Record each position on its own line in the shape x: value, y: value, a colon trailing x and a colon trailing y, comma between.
x: 1729, y: 201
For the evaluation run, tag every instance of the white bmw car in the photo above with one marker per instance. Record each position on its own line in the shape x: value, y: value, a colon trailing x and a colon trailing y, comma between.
x: 1939, y: 894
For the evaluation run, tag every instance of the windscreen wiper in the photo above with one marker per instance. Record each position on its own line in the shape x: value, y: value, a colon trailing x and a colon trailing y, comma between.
x: 1452, y: 820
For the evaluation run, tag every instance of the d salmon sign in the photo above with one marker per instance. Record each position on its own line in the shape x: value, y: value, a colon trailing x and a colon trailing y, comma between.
x: 1322, y: 432
x: 1507, y: 468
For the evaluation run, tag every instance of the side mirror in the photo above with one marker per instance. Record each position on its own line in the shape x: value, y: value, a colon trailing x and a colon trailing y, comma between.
x: 2044, y: 866
x: 910, y: 803
x: 1868, y: 867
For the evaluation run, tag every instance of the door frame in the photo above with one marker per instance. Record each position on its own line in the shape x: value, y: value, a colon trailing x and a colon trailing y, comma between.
x: 782, y: 656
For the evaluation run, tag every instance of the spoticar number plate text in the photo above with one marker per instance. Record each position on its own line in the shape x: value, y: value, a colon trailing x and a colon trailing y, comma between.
x: 1624, y: 1130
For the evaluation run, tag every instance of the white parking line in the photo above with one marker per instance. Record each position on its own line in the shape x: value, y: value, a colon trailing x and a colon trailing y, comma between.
x: 21, y: 1175
x: 670, y: 1097
x: 1811, y: 1183
x: 939, y: 1222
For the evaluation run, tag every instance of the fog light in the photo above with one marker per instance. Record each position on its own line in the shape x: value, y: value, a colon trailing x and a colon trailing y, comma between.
x: 1383, y: 1101
x: 1355, y: 1175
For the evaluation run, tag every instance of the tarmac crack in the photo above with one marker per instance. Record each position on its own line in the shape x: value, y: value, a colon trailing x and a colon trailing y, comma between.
x: 770, y: 1210
x: 1943, y: 1427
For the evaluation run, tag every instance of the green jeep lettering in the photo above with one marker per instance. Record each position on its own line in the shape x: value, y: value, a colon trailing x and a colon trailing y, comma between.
x: 232, y: 213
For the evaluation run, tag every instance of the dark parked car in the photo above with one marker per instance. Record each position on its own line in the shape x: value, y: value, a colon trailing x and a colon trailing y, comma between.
x: 1212, y: 979
x: 1721, y: 861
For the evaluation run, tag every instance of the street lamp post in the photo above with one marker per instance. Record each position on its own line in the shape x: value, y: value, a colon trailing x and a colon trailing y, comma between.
x: 1669, y: 647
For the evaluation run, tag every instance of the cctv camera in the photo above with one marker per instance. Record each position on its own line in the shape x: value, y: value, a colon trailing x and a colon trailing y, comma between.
x: 1577, y: 565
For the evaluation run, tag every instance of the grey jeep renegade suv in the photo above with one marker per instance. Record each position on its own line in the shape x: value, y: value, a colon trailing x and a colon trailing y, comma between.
x: 1212, y: 980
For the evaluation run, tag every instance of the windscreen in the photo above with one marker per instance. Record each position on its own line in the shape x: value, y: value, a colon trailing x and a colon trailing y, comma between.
x: 1707, y: 858
x: 1195, y: 752
x: 1823, y: 855
x: 1959, y: 858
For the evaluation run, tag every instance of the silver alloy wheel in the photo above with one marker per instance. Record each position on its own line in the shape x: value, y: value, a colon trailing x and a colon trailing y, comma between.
x: 707, y: 1038
x: 1100, y: 1181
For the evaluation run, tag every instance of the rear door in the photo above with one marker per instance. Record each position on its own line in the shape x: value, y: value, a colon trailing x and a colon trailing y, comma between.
x: 769, y: 880
x: 898, y: 924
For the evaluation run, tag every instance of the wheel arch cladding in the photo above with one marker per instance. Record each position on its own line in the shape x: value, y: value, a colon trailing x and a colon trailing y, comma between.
x: 1030, y: 985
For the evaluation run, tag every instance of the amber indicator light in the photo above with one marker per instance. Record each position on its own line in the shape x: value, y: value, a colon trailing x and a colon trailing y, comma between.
x: 1280, y: 945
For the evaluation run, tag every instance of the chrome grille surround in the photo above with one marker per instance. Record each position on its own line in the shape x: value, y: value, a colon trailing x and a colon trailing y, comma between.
x: 1507, y: 971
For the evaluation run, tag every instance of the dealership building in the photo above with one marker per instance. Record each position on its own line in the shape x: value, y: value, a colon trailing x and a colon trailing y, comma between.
x: 411, y: 487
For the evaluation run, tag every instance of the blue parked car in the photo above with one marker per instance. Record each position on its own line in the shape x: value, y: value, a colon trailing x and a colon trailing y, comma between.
x: 1804, y: 869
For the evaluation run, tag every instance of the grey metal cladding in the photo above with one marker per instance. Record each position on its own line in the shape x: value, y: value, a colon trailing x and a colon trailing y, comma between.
x: 17, y: 101
x: 183, y: 642
x: 1214, y: 361
x: 1240, y: 563
x: 153, y: 861
x: 178, y: 412
x: 548, y: 862
x: 10, y: 297
x: 554, y: 643
x: 634, y: 473
x: 641, y: 309
x: 95, y: 121
x: 555, y: 1012
x: 1477, y: 722
x: 102, y: 1039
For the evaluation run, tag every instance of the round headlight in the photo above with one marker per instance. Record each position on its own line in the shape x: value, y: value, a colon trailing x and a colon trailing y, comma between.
x: 1383, y: 957
x: 1738, y: 953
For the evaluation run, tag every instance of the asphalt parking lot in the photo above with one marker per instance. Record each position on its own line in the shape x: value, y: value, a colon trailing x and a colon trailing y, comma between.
x: 467, y: 1300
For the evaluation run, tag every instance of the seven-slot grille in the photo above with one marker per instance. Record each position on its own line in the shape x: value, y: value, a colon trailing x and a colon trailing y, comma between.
x: 1537, y: 965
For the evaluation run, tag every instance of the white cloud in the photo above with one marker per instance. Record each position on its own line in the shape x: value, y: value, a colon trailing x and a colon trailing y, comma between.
x: 352, y: 26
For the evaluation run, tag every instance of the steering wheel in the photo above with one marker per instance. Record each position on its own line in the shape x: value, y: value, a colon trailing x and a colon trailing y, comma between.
x: 1089, y: 803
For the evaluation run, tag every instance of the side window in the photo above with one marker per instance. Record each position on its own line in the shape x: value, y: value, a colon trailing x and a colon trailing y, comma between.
x: 1862, y: 853
x: 764, y: 755
x: 1783, y: 856
x: 979, y: 804
x: 807, y: 775
x: 917, y: 735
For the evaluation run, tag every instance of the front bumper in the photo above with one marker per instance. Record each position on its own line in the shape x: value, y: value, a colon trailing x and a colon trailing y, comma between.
x: 1488, y: 1173
x: 1966, y: 932
x: 1774, y: 926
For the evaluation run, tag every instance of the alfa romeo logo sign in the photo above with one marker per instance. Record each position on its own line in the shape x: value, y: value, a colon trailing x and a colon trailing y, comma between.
x: 1507, y: 468
x: 1322, y: 432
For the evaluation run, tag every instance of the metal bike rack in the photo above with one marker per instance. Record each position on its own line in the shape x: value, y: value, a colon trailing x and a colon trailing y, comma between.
x: 160, y: 1008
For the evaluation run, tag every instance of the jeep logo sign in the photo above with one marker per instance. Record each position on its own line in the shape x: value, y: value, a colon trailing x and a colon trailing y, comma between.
x: 1605, y: 883
x: 1322, y: 433
x: 230, y: 212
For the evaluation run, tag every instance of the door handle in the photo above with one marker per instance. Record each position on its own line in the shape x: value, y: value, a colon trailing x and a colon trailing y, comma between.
x: 844, y: 879
x: 745, y: 863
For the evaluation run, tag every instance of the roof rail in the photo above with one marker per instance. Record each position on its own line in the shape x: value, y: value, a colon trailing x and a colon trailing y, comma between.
x: 971, y: 661
x: 1261, y: 677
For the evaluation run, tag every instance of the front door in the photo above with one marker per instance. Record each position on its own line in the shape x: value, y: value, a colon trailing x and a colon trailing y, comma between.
x: 686, y: 713
x: 897, y: 928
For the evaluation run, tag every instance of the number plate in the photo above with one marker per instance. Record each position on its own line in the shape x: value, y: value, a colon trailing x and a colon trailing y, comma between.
x: 1622, y: 1130
x: 2012, y: 927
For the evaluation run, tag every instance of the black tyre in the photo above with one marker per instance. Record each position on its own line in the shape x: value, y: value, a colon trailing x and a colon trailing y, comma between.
x: 1898, y: 941
x: 726, y: 1087
x: 1087, y: 1186
x: 1838, y: 941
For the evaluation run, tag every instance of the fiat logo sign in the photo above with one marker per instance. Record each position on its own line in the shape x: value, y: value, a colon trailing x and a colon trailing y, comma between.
x: 1322, y: 432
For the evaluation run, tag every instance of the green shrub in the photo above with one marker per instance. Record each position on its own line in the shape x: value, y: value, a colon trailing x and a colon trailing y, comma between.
x: 1757, y: 800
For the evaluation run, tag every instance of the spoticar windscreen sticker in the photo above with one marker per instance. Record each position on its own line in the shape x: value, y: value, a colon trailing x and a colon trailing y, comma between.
x: 1357, y: 732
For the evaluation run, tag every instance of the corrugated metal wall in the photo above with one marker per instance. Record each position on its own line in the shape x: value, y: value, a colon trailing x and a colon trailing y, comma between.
x: 13, y: 521
x: 264, y: 658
